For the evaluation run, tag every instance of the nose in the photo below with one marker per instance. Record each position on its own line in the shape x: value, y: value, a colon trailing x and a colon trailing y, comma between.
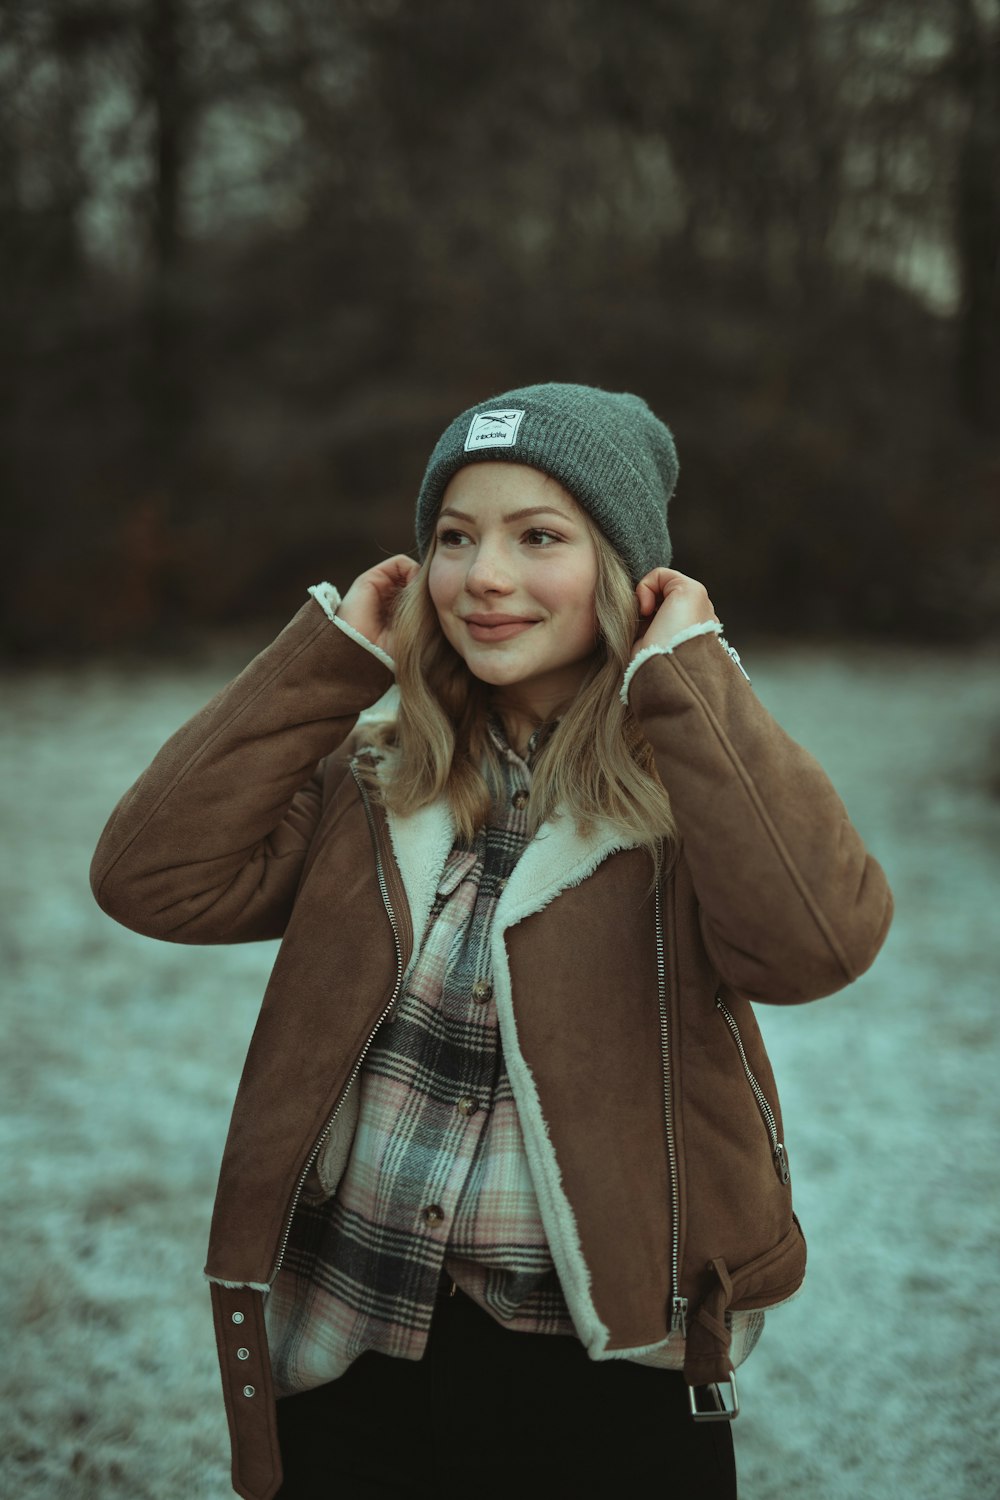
x: 487, y: 572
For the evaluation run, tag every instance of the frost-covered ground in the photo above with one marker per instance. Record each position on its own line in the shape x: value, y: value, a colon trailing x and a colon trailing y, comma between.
x: 121, y: 1056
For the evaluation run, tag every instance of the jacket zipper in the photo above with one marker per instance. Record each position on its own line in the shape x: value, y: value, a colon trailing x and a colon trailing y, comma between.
x: 778, y: 1152
x: 318, y: 1145
x: 679, y: 1304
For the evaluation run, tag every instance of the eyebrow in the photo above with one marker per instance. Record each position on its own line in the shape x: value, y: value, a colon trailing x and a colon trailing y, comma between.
x: 514, y: 515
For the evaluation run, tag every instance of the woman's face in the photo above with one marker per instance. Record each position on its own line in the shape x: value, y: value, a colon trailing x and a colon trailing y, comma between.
x: 512, y: 580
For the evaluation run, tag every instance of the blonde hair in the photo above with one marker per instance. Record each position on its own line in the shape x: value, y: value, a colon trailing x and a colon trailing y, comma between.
x: 597, y: 764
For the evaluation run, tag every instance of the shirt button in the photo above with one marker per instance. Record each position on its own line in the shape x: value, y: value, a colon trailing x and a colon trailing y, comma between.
x: 467, y: 1105
x: 520, y: 799
x: 482, y: 991
x: 433, y: 1214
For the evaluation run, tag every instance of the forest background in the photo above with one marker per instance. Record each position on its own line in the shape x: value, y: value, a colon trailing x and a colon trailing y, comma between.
x: 255, y: 255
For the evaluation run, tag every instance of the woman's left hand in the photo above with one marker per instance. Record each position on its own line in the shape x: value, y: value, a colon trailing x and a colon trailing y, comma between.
x: 669, y: 602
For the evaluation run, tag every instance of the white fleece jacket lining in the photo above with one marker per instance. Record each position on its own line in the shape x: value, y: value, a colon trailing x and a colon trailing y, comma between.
x: 329, y: 600
x: 239, y: 1286
x: 707, y: 627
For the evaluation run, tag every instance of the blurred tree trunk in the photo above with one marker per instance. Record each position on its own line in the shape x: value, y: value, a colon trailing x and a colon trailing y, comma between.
x: 819, y: 182
x: 165, y: 386
x: 164, y: 78
x: 977, y: 217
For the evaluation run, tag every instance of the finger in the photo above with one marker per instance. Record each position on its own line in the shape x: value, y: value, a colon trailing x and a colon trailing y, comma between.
x: 662, y: 581
x: 401, y: 568
x: 659, y: 577
x: 648, y: 597
x: 390, y: 579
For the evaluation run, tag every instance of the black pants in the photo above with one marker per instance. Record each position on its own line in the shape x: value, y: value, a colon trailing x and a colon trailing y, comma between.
x: 488, y: 1413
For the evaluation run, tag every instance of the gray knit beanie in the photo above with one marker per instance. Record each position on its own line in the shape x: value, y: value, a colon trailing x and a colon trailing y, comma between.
x: 610, y: 452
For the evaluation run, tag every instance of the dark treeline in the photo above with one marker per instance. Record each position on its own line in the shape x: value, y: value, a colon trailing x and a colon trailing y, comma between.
x: 255, y: 253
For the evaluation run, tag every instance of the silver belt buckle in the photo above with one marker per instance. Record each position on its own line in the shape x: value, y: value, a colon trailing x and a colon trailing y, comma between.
x: 709, y: 1403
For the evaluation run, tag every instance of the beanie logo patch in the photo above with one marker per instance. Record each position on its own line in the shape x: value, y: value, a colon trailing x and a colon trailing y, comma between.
x: 493, y: 429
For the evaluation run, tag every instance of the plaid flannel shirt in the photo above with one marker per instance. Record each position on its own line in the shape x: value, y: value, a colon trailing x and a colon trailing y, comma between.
x: 437, y: 1179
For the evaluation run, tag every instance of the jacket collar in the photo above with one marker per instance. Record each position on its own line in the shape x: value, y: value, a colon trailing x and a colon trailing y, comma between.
x: 557, y: 858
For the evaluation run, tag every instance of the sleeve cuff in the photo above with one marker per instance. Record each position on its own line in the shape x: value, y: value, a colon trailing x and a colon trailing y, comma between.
x: 329, y: 601
x: 706, y: 627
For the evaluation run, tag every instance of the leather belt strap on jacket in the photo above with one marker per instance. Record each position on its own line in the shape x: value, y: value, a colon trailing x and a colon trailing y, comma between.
x: 248, y: 1389
x: 706, y: 1353
x: 770, y: 1278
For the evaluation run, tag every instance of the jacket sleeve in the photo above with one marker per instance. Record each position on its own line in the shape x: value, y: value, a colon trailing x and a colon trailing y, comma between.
x: 209, y: 844
x: 791, y: 904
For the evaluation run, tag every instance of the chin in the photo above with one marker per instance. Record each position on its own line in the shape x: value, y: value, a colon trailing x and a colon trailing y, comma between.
x: 495, y: 676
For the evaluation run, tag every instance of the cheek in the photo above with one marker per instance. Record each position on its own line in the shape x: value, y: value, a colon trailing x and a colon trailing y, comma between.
x: 442, y: 590
x: 573, y: 596
x: 585, y: 627
x: 437, y: 586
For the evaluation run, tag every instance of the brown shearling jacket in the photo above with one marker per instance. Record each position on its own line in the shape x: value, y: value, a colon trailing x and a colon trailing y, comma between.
x: 647, y: 1102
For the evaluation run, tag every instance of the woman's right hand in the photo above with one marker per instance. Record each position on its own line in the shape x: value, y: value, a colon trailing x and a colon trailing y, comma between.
x: 368, y: 604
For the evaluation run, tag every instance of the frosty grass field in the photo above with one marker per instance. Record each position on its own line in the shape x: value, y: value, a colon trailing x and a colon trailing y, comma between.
x: 121, y: 1056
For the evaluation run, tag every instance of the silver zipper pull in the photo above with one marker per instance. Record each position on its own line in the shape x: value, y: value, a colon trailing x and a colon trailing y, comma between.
x: 781, y: 1163
x: 735, y: 656
x: 678, y: 1320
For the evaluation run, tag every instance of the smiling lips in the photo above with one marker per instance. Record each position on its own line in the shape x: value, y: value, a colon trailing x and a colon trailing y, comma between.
x: 496, y: 627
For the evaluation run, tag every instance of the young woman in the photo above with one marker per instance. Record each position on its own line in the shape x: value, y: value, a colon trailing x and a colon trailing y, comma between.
x: 505, y: 1191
